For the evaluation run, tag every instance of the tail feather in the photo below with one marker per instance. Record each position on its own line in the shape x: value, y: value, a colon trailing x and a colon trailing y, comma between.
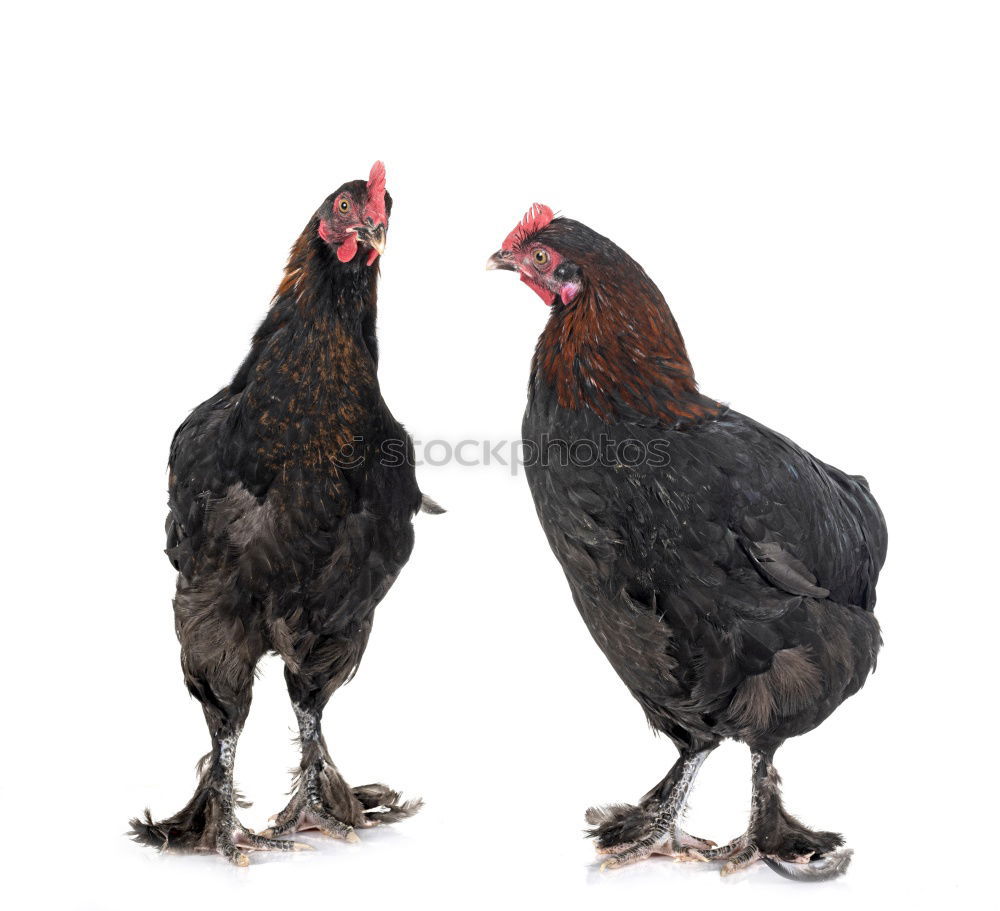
x: 429, y: 506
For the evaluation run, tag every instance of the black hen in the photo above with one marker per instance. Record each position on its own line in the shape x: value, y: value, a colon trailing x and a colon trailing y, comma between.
x: 728, y: 575
x: 291, y: 499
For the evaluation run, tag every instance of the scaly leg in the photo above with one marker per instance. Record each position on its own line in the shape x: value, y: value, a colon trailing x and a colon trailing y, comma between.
x: 322, y: 800
x: 628, y: 833
x: 208, y: 822
x: 232, y: 834
x: 777, y: 838
x: 218, y: 664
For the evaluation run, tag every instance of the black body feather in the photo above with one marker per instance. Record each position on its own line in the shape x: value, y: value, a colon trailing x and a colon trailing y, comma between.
x: 692, y: 576
x: 728, y: 575
x: 286, y: 524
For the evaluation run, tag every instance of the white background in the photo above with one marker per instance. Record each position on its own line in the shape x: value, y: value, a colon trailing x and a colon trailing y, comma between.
x: 815, y: 189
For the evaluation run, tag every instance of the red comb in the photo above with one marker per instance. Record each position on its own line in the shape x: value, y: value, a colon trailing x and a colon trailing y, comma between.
x: 375, y: 208
x: 536, y: 218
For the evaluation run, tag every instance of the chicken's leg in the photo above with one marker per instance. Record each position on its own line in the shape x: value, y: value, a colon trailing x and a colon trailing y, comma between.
x: 219, y: 675
x: 629, y: 833
x: 322, y: 800
x: 777, y: 838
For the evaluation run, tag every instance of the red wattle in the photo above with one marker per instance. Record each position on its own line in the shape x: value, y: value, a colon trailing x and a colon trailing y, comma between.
x: 372, y: 256
x: 346, y: 251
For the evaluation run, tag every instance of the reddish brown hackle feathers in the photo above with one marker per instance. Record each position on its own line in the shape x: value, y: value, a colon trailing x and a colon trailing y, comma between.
x: 536, y: 218
x: 375, y: 208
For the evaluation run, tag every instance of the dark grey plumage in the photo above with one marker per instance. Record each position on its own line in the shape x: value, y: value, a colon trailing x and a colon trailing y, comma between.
x: 287, y: 526
x: 728, y: 575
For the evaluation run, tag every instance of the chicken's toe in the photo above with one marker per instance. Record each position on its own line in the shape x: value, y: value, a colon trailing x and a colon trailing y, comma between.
x: 621, y: 858
x: 742, y: 859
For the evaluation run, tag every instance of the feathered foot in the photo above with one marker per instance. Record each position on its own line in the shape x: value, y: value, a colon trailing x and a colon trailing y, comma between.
x: 778, y: 839
x: 366, y: 806
x: 323, y: 801
x: 208, y: 823
x: 626, y: 833
x: 823, y: 860
x: 230, y: 838
x: 620, y: 827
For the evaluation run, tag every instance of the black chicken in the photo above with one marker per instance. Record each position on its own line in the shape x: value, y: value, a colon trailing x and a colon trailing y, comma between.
x: 728, y: 575
x: 291, y: 499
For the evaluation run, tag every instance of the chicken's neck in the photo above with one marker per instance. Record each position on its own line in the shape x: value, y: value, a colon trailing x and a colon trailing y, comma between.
x: 310, y: 382
x: 330, y: 296
x: 617, y: 351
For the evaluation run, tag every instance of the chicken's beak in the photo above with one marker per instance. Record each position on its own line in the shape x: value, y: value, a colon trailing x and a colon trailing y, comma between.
x: 501, y: 260
x: 375, y: 238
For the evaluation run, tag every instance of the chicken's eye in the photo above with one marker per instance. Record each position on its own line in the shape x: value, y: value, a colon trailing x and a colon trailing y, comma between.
x: 344, y: 205
x: 541, y: 257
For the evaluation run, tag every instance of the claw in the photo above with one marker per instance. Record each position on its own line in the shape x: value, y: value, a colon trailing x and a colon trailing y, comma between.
x: 339, y: 834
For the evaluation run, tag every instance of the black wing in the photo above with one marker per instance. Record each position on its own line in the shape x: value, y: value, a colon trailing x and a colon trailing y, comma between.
x: 200, y: 474
x: 807, y: 527
x: 215, y: 448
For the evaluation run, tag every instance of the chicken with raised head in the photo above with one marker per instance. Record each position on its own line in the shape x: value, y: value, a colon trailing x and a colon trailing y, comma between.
x: 292, y: 492
x: 727, y: 574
